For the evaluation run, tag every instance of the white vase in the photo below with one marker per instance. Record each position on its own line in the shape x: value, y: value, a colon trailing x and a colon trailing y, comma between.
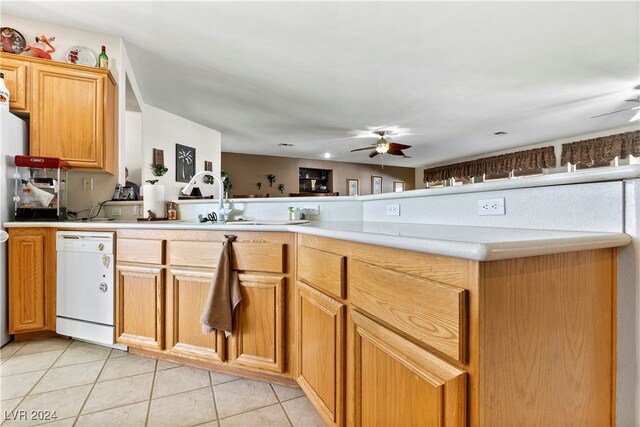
x: 153, y: 200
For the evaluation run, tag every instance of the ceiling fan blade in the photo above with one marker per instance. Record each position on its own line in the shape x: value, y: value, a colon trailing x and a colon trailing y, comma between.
x: 395, y: 152
x: 361, y: 149
x: 394, y: 145
x: 633, y: 99
x: 614, y: 112
x: 373, y: 154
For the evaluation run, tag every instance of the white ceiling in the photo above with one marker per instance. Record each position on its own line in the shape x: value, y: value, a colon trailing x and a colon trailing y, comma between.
x: 313, y: 73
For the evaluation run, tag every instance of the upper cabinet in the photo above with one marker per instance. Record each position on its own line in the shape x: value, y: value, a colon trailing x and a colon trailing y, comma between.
x: 72, y: 109
x: 16, y: 74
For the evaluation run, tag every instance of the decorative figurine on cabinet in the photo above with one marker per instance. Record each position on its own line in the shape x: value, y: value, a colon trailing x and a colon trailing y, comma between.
x: 39, y: 49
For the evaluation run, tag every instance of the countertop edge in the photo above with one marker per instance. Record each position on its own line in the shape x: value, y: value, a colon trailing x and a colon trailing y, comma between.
x: 478, y: 251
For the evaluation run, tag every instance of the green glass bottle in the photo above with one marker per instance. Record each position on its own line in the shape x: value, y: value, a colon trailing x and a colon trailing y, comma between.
x: 103, y: 59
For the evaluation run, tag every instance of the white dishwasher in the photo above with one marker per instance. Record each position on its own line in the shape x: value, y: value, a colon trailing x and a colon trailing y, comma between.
x: 85, y: 286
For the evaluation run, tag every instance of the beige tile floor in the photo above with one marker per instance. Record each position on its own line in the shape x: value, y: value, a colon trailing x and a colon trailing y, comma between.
x: 90, y: 385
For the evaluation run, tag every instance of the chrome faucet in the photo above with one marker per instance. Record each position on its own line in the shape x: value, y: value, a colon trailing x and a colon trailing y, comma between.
x: 187, y: 189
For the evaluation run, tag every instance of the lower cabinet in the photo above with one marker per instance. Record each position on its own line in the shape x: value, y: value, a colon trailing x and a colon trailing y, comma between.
x: 140, y: 306
x: 396, y: 383
x: 164, y: 284
x: 190, y: 289
x: 258, y: 336
x: 321, y: 352
x: 31, y: 280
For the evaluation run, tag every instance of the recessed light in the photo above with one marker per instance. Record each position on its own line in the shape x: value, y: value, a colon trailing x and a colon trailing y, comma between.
x: 285, y: 144
x: 327, y: 155
x: 499, y: 133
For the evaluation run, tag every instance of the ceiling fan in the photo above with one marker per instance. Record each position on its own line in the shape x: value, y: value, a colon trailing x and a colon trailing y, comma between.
x: 634, y: 118
x: 383, y: 146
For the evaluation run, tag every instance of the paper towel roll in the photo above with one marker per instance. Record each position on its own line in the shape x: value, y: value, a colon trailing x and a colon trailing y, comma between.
x: 153, y: 200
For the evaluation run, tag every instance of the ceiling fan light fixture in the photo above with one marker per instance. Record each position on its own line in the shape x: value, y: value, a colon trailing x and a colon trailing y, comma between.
x: 382, y: 146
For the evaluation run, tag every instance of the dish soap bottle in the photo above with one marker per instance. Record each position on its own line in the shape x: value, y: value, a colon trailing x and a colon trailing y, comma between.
x: 4, y: 94
x: 103, y: 59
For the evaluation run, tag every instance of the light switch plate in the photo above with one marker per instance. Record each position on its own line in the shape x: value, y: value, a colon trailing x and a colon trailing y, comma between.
x: 87, y: 183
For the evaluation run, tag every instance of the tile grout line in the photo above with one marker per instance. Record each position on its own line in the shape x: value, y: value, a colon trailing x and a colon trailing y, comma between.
x: 37, y: 382
x: 153, y: 384
x: 86, y: 399
x: 213, y: 394
x: 281, y: 406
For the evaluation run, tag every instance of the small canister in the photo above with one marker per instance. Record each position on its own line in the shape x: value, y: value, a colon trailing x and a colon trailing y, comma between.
x: 172, y: 212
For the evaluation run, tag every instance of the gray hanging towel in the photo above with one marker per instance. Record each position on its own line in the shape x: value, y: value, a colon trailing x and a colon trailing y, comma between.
x: 224, y: 294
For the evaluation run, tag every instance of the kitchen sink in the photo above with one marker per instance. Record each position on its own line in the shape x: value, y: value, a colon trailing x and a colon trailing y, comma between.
x: 268, y: 222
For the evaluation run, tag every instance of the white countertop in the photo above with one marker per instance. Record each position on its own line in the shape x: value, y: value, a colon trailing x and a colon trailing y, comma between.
x: 477, y: 243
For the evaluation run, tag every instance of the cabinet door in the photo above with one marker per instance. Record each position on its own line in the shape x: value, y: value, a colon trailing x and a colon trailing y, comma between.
x: 140, y: 306
x: 321, y: 340
x: 27, y: 281
x: 67, y: 117
x: 396, y: 383
x: 257, y: 339
x: 16, y: 74
x: 189, y: 294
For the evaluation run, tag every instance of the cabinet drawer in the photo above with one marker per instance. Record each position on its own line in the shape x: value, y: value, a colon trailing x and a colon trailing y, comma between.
x: 266, y: 257
x: 431, y: 312
x: 140, y: 251
x: 322, y: 270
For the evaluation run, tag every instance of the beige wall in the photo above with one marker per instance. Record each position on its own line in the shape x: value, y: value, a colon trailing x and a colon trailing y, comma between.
x: 245, y: 170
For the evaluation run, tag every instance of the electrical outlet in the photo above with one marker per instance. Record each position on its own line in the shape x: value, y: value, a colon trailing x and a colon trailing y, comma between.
x: 311, y: 210
x: 393, y: 210
x: 491, y: 206
x: 87, y: 183
x: 116, y: 211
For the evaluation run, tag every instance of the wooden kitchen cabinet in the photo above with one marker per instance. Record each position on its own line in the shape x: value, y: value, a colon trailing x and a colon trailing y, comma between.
x: 140, y: 296
x: 397, y: 383
x: 321, y: 352
x: 16, y: 78
x: 263, y: 331
x: 258, y: 337
x: 72, y: 116
x: 189, y: 290
x: 72, y: 109
x: 31, y: 255
x: 435, y: 340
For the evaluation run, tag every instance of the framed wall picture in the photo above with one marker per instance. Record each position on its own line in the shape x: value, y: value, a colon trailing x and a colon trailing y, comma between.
x: 376, y: 184
x: 208, y: 166
x: 352, y: 186
x: 158, y: 157
x: 398, y: 186
x: 185, y: 163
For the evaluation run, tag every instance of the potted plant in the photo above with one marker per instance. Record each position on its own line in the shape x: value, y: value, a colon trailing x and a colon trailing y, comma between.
x: 272, y: 178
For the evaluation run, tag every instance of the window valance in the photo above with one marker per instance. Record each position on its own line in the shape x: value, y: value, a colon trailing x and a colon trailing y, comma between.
x: 526, y: 160
x: 606, y: 148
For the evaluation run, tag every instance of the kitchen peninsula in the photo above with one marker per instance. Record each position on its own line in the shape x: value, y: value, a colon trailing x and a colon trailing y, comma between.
x: 383, y: 322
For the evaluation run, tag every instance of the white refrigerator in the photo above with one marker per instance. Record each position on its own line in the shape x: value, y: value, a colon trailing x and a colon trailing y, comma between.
x: 13, y: 140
